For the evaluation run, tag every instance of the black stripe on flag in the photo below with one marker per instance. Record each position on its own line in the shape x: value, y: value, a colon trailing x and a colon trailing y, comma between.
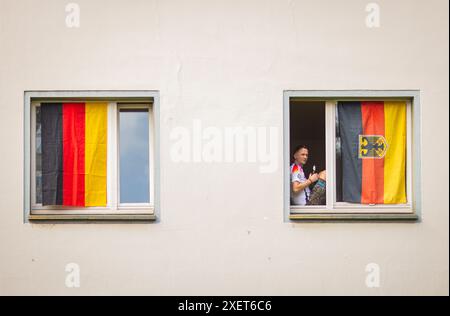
x: 52, y: 153
x: 350, y: 127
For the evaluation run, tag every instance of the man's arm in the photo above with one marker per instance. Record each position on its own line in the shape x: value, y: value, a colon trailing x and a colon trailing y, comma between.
x: 299, y: 186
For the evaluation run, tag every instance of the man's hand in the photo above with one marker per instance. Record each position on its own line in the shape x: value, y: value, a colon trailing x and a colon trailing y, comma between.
x: 313, y: 177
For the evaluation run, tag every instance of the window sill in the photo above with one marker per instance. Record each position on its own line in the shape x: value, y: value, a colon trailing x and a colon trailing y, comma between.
x: 92, y: 217
x: 355, y: 217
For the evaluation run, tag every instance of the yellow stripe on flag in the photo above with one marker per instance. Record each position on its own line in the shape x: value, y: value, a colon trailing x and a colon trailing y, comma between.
x: 395, y: 159
x: 95, y: 155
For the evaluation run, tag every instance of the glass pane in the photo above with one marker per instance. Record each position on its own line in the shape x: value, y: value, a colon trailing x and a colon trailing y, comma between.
x: 38, y: 157
x: 134, y: 156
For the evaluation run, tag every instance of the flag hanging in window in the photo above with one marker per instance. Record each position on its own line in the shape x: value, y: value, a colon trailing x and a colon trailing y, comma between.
x: 74, y: 153
x: 373, y: 147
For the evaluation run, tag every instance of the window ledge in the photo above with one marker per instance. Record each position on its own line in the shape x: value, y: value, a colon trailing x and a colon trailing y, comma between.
x: 356, y: 217
x: 93, y: 217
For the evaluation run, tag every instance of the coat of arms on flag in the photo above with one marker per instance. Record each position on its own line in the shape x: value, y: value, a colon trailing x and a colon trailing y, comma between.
x: 372, y: 146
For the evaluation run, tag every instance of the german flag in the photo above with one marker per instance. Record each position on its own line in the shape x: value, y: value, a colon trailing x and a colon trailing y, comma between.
x: 74, y: 148
x: 373, y: 146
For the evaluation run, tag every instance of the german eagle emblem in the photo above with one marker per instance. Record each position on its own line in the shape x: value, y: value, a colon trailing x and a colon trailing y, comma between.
x: 372, y: 146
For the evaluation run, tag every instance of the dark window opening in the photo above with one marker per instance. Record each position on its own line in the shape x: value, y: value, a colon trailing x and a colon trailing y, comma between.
x: 307, y: 127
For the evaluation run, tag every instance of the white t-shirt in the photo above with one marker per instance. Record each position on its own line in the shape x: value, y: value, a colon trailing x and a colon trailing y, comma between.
x: 297, y: 175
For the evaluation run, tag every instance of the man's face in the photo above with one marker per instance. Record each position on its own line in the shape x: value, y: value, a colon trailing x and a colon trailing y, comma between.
x: 301, y: 156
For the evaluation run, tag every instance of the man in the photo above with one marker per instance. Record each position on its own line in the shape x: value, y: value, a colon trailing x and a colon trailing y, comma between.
x: 300, y: 184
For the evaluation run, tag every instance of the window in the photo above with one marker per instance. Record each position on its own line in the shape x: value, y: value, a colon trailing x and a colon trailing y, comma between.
x: 91, y: 155
x: 352, y: 155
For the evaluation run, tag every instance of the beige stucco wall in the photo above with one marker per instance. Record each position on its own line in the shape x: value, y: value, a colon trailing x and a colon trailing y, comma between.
x: 226, y: 63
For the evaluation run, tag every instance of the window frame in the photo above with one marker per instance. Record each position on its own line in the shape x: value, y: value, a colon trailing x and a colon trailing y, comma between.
x: 341, y: 210
x: 114, y: 210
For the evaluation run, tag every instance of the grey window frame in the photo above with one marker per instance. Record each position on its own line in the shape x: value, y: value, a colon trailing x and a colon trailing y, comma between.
x: 149, y: 213
x: 321, y: 213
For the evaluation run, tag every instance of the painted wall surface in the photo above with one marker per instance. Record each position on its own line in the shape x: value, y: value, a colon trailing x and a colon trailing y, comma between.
x: 225, y: 63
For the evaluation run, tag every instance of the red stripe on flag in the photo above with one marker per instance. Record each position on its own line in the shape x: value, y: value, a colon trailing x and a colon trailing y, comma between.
x: 73, y: 153
x: 372, y: 168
